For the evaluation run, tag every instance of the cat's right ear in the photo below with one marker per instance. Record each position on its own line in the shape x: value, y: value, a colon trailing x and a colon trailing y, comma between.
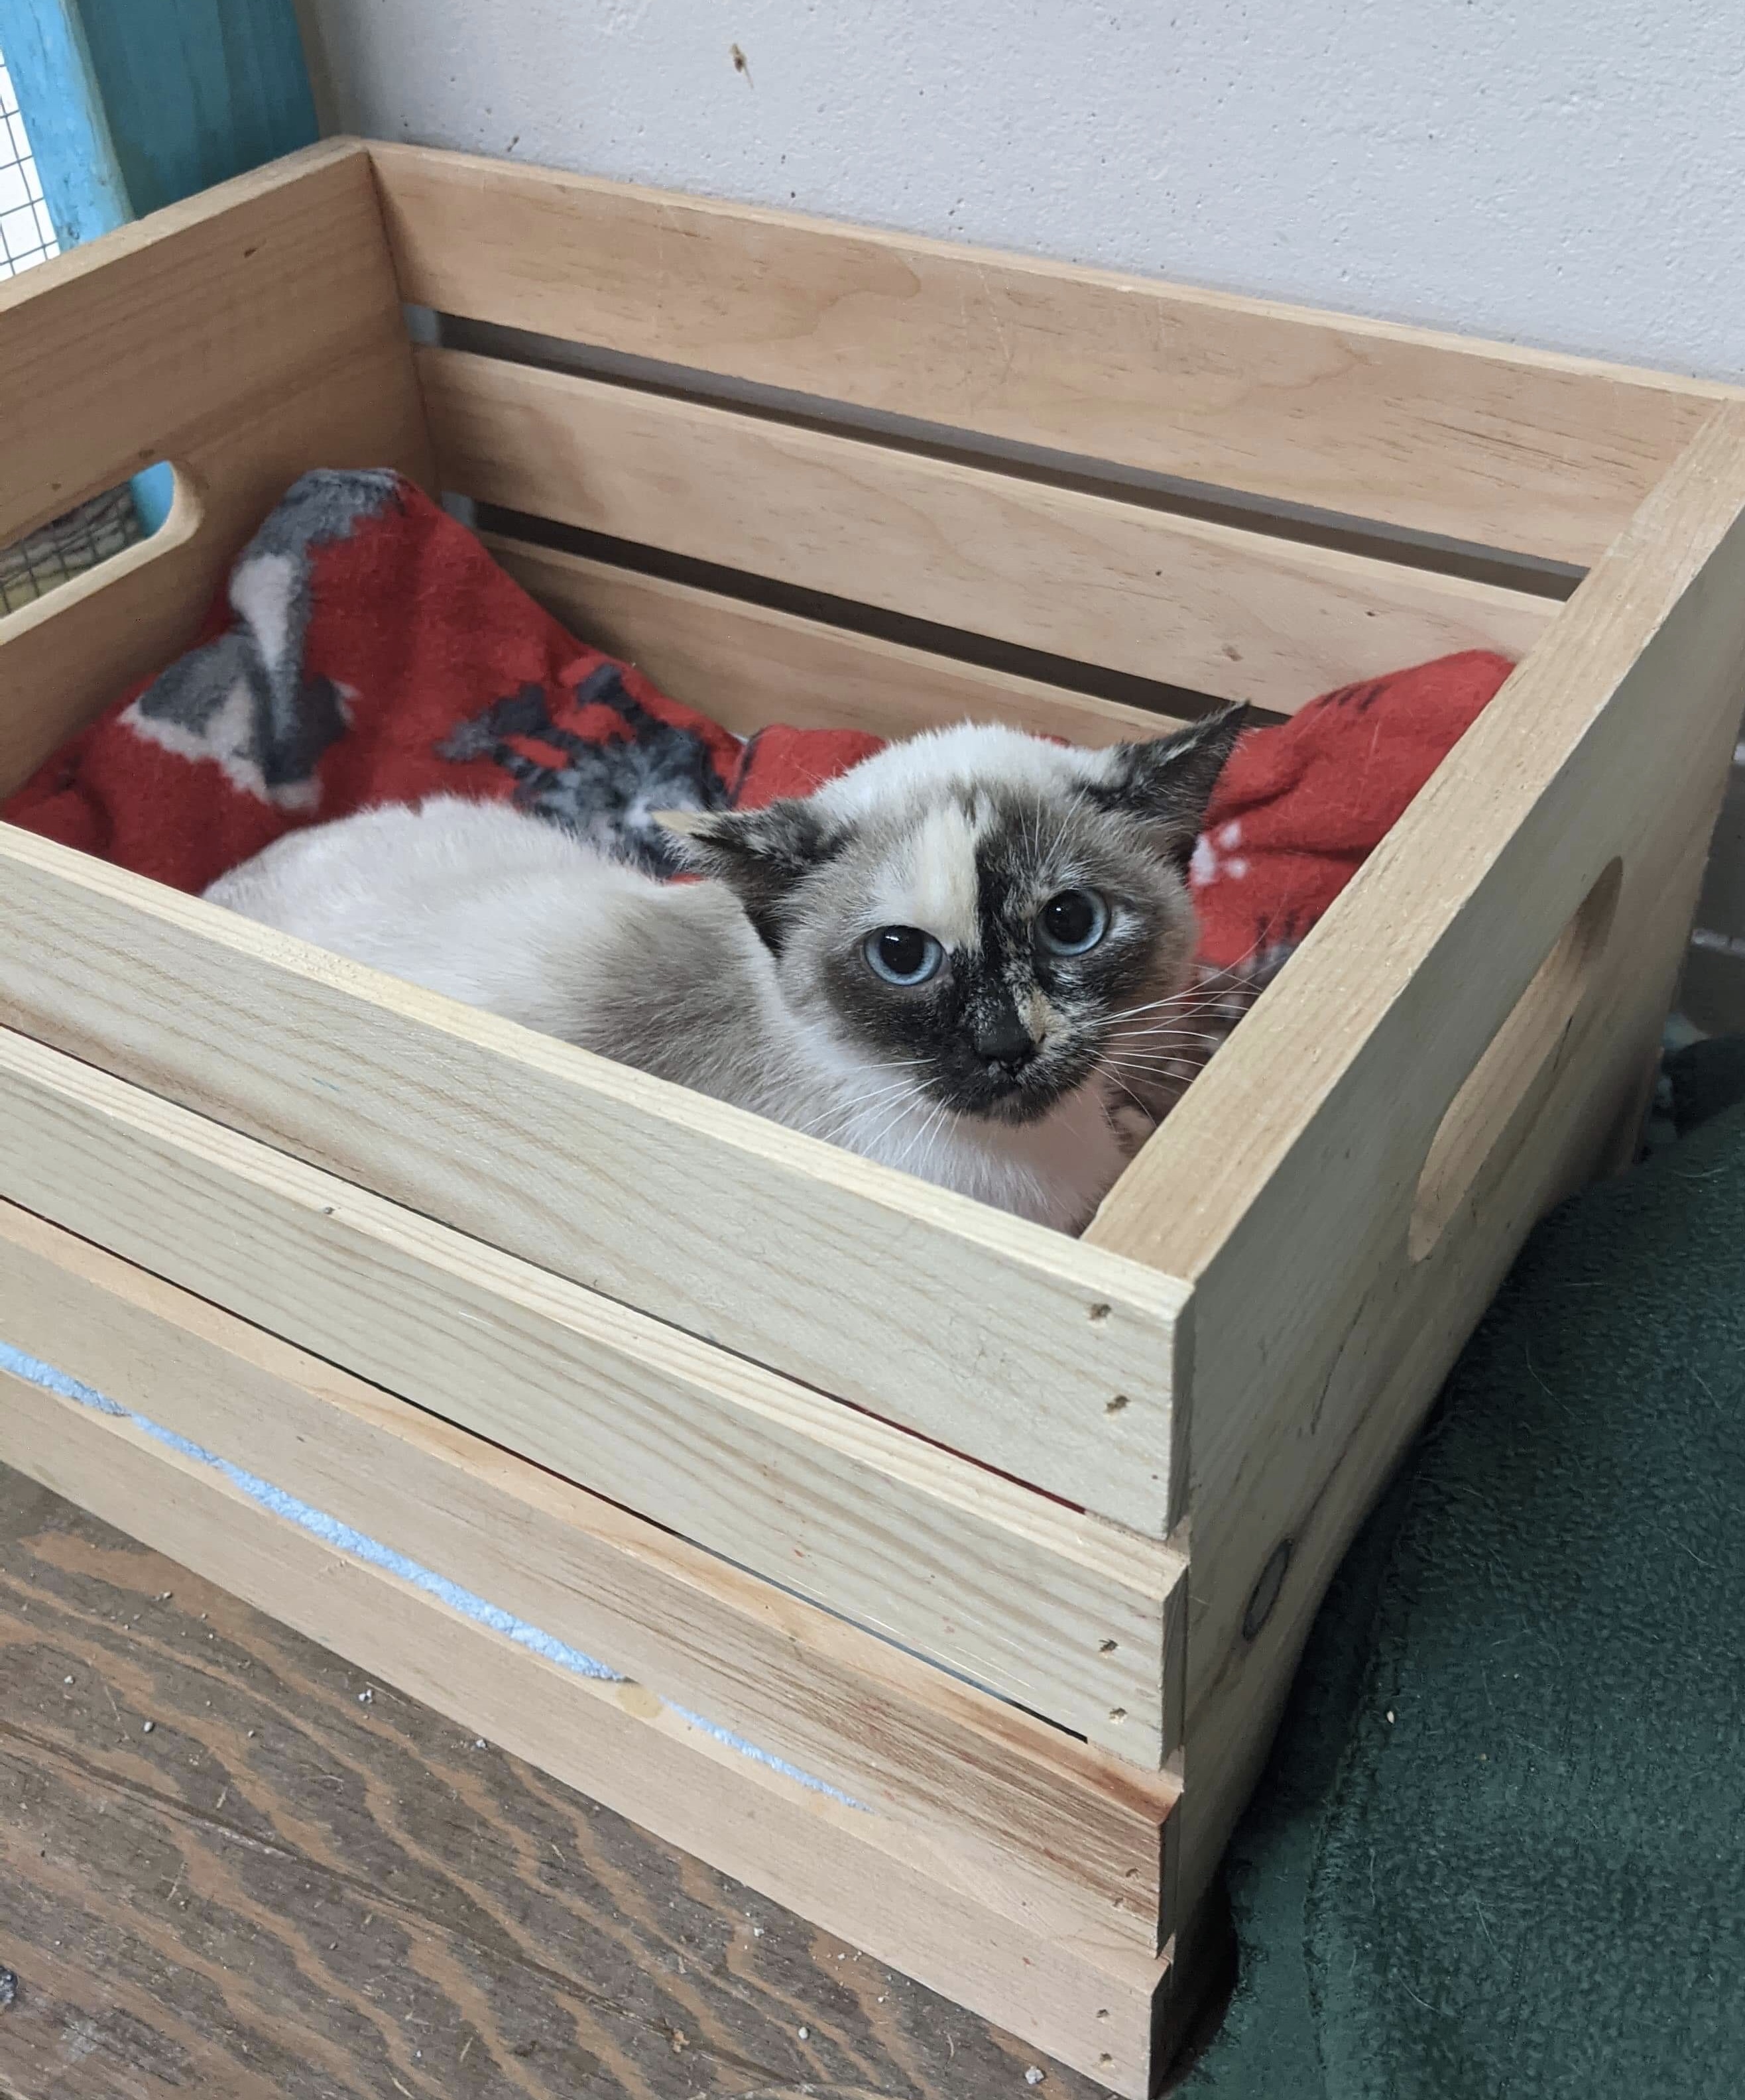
x: 1167, y: 782
x: 762, y: 855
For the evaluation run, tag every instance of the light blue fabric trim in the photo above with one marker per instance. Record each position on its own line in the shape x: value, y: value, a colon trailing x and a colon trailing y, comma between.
x: 343, y: 1538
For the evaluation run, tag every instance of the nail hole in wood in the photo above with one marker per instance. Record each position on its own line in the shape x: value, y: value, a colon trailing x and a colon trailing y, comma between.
x: 1117, y: 1713
x: 1099, y: 1311
x: 1107, y: 1647
x: 1115, y: 1405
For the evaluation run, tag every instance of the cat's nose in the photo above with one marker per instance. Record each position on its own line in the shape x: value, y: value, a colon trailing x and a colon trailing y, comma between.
x: 1000, y: 1038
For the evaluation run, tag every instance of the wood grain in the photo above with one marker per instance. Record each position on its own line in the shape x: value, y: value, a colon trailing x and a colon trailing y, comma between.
x: 1479, y: 442
x: 748, y: 665
x: 995, y: 1337
x: 245, y: 336
x: 985, y: 1797
x: 1611, y: 743
x: 144, y: 344
x: 1088, y: 577
x: 282, y: 1891
x: 1042, y: 1605
x: 1092, y: 2006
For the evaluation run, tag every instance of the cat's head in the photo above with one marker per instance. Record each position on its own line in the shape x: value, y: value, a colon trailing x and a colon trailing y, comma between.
x: 978, y: 908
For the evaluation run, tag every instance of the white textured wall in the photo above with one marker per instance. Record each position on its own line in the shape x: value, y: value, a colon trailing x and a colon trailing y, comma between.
x: 1564, y: 172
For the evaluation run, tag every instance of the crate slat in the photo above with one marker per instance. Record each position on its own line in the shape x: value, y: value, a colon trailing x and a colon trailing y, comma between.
x: 950, y: 1779
x: 995, y: 1337
x: 1486, y: 443
x: 1092, y: 2004
x: 1209, y: 606
x: 1066, y: 1616
x: 749, y: 665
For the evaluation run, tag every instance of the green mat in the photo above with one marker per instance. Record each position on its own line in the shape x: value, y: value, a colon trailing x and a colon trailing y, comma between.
x: 1500, y: 1853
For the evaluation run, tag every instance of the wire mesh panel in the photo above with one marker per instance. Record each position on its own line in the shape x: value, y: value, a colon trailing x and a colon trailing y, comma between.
x: 58, y: 552
x: 67, y: 546
x: 26, y: 234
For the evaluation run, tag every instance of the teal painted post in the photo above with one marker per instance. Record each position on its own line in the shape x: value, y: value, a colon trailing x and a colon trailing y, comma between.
x: 132, y: 103
x: 44, y: 43
x: 196, y: 90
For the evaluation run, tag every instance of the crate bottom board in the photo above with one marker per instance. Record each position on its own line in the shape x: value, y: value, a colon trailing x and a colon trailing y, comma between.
x: 1112, y: 2014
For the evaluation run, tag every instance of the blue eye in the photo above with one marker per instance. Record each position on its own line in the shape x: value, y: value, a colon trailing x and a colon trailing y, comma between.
x: 1073, y: 922
x: 902, y: 954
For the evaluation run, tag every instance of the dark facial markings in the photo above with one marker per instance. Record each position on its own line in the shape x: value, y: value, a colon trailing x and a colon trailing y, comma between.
x: 764, y: 856
x: 975, y: 1017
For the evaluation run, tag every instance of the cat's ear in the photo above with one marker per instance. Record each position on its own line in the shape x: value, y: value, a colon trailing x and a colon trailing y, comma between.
x: 1168, y: 780
x: 762, y: 855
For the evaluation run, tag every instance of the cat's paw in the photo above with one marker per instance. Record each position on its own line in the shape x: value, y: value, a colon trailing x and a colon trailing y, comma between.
x: 1131, y: 1124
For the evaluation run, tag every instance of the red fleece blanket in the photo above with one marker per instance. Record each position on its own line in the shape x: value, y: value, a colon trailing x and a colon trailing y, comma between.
x: 368, y: 649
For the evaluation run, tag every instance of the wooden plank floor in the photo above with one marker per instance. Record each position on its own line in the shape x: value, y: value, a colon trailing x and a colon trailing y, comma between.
x: 224, y: 1869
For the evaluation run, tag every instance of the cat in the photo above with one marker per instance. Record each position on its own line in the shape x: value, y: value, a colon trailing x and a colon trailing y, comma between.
x: 966, y: 957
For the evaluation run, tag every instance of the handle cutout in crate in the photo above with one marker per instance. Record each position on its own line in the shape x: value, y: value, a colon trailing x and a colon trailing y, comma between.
x: 98, y: 540
x: 1520, y: 1059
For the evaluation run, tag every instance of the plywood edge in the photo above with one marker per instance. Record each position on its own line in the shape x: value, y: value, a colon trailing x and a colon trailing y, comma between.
x: 1089, y: 2004
x: 381, y: 1083
x: 968, y: 1787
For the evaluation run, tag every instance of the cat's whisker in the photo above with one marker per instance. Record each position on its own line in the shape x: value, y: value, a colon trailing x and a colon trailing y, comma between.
x: 852, y: 1119
x: 1182, y: 1039
x: 1165, y: 1068
x: 1141, y: 1067
x: 888, y: 1132
x: 893, y: 1118
x: 1192, y: 1000
x: 1163, y: 1023
x: 919, y: 1140
x: 841, y: 1116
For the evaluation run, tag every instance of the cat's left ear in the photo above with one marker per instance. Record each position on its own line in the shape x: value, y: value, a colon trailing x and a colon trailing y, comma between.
x: 762, y: 855
x: 1168, y: 780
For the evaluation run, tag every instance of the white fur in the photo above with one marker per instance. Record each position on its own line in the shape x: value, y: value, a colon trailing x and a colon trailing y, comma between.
x: 510, y: 913
x: 967, y: 754
x: 931, y: 880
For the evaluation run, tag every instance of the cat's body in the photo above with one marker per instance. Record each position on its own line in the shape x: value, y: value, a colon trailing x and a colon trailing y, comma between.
x: 770, y: 986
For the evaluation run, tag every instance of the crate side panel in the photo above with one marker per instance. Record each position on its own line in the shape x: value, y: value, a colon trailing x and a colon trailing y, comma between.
x: 1610, y: 746
x: 140, y: 345
x: 1085, y: 577
x: 1477, y: 442
x: 993, y: 1336
x: 1047, y: 1607
x: 66, y: 657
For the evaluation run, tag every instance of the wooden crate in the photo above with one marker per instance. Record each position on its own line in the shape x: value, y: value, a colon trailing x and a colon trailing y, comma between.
x: 517, y: 1376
